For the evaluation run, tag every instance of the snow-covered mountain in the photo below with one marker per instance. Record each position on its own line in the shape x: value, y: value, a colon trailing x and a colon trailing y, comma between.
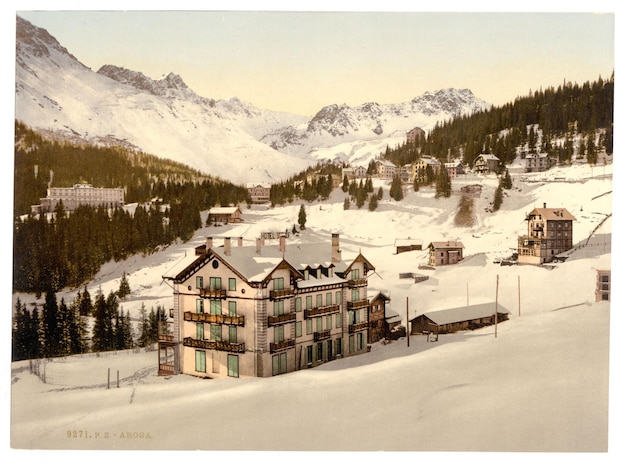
x: 58, y: 95
x: 357, y: 134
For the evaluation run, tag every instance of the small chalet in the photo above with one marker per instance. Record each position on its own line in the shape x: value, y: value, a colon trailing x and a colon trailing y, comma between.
x: 407, y: 245
x: 393, y: 325
x: 422, y: 165
x: 445, y: 253
x: 225, y: 215
x: 376, y: 316
x: 416, y: 134
x: 486, y: 163
x: 386, y: 169
x: 454, y: 169
x: 458, y: 319
x: 538, y: 162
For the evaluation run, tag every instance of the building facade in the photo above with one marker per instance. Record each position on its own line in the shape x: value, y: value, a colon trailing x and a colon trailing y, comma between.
x: 225, y: 215
x: 80, y: 194
x: 445, y: 253
x: 535, y: 162
x: 486, y: 163
x: 603, y: 285
x: 259, y: 193
x: 259, y: 311
x: 377, y: 328
x: 550, y: 232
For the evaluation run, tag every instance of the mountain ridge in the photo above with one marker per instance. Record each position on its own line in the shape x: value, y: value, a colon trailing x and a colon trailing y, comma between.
x: 232, y: 139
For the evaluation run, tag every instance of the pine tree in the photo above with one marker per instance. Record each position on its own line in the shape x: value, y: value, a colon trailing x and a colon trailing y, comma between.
x: 124, y: 289
x: 51, y: 326
x: 346, y: 203
x: 497, y: 199
x: 302, y: 217
x: 444, y: 185
x: 144, y: 327
x: 396, y: 189
x: 380, y: 193
x: 507, y: 183
x: 346, y: 183
x: 373, y: 203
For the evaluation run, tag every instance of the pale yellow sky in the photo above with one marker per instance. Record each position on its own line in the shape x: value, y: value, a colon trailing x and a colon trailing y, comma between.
x: 302, y: 61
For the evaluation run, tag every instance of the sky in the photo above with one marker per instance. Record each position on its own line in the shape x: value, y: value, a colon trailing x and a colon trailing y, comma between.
x: 301, y: 61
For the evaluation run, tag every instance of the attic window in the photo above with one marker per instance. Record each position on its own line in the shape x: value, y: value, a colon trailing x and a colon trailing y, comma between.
x: 215, y: 264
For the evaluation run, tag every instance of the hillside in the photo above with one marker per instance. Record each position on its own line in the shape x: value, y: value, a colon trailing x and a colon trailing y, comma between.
x: 431, y: 396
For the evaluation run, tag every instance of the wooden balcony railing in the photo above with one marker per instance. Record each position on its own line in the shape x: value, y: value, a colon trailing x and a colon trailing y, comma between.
x: 215, y: 319
x: 320, y: 335
x: 213, y: 293
x: 215, y: 345
x: 281, y: 319
x: 319, y: 311
x: 166, y: 338
x: 357, y: 282
x: 277, y: 346
x: 165, y: 369
x: 281, y: 294
x: 357, y: 327
x: 358, y: 304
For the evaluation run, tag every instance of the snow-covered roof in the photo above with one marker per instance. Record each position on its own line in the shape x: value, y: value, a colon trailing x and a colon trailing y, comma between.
x: 447, y: 245
x: 488, y: 156
x: 554, y: 213
x: 223, y: 210
x: 471, y: 312
x: 252, y: 185
x: 407, y: 242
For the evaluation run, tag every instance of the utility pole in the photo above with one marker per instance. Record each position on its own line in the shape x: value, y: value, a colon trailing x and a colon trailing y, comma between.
x: 496, y: 316
x: 519, y: 298
x: 408, y: 343
x: 467, y: 292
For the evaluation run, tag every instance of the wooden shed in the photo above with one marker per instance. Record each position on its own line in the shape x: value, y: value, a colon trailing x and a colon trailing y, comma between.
x: 458, y: 319
x: 224, y: 215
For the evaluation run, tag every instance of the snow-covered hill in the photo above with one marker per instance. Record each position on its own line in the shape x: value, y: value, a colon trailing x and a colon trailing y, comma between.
x: 541, y: 385
x: 58, y: 95
x: 358, y: 134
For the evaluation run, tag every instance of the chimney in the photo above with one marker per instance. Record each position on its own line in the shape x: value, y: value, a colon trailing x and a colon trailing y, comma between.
x: 335, y: 251
x: 544, y: 205
x: 259, y: 243
x: 227, y: 246
x: 239, y: 241
x: 209, y: 243
x: 282, y: 245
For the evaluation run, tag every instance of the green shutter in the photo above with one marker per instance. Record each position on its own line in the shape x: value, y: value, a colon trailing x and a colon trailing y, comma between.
x: 199, y: 306
x: 232, y: 308
x: 201, y: 361
x: 298, y: 328
x: 233, y: 365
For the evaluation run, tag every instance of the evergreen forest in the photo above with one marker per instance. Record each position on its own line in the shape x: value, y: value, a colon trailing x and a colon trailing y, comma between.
x: 51, y: 252
x: 544, y: 121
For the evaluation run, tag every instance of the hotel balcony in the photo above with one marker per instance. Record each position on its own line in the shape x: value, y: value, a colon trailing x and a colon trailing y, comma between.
x: 278, y: 346
x: 321, y: 335
x: 357, y: 282
x: 215, y: 345
x: 357, y: 327
x: 213, y: 293
x: 320, y: 311
x: 358, y: 304
x: 214, y: 319
x: 281, y: 319
x: 281, y: 294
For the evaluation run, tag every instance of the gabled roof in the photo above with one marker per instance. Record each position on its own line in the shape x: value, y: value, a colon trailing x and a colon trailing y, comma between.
x: 459, y: 314
x: 487, y: 156
x: 446, y: 245
x: 553, y: 213
x: 223, y: 210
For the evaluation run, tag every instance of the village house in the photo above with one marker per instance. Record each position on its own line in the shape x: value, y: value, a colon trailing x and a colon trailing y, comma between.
x: 550, y: 233
x: 421, y: 165
x: 454, y: 169
x: 263, y: 310
x: 393, y: 325
x: 445, y: 253
x: 603, y: 285
x: 458, y: 319
x: 535, y: 162
x: 407, y: 245
x: 415, y: 135
x: 486, y: 163
x: 386, y: 169
x: 376, y: 316
x: 360, y: 172
x: 259, y: 192
x: 79, y: 194
x: 224, y: 215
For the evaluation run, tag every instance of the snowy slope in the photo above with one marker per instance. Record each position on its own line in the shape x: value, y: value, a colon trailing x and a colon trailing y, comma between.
x: 541, y: 385
x: 56, y: 93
